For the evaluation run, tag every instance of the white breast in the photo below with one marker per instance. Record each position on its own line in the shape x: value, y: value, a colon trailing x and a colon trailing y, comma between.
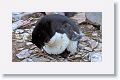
x: 57, y: 44
x: 72, y: 47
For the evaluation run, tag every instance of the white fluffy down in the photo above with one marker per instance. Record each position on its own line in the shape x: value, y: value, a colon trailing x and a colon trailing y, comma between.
x: 57, y: 44
x: 72, y: 47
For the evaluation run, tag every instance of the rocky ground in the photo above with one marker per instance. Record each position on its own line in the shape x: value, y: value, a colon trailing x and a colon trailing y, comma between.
x: 89, y: 48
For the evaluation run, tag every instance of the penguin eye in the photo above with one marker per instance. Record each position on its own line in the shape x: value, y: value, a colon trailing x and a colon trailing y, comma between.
x: 66, y: 25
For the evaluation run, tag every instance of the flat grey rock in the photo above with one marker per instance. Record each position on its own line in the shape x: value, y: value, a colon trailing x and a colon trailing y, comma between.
x: 95, y: 56
x: 79, y: 18
x: 23, y: 54
x: 95, y: 17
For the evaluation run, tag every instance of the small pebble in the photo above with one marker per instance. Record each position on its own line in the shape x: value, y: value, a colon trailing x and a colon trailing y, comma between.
x: 77, y: 56
x: 20, y: 49
x: 19, y: 31
x: 27, y: 60
x: 88, y: 48
x: 29, y: 43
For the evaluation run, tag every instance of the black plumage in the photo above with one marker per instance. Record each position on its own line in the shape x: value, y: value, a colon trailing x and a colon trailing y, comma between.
x: 50, y: 24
